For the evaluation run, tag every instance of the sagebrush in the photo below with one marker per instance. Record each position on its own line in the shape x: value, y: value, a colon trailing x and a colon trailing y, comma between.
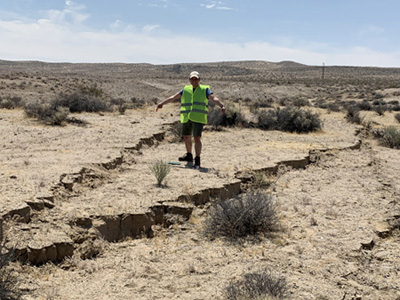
x: 48, y: 113
x: 260, y: 285
x: 291, y: 119
x: 251, y: 214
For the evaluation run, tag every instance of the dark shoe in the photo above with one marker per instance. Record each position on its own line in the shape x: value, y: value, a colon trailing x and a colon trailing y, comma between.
x: 187, y: 157
x: 197, y: 162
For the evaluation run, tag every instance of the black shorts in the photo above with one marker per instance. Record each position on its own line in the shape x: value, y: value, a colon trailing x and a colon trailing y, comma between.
x: 192, y: 128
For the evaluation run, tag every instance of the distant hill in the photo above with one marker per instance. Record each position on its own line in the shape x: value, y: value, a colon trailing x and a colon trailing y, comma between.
x: 228, y: 68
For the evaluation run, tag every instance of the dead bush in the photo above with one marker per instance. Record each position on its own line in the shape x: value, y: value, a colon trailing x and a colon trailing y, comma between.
x: 252, y: 213
x: 291, y: 119
x: 257, y: 285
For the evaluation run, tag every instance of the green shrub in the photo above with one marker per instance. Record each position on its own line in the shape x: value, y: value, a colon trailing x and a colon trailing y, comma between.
x: 257, y: 285
x: 160, y: 170
x: 252, y: 213
x: 292, y: 119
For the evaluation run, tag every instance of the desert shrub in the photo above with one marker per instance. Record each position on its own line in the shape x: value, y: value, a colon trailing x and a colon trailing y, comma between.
x: 333, y: 106
x: 395, y: 107
x: 262, y: 103
x: 48, y: 113
x: 390, y: 137
x: 6, y: 103
x: 252, y: 213
x: 80, y: 102
x: 268, y: 120
x: 353, y: 115
x: 8, y: 282
x: 120, y: 104
x: 397, y: 117
x: 137, y: 103
x: 231, y: 117
x: 290, y: 119
x: 364, y: 105
x: 214, y: 117
x: 257, y: 285
x: 11, y: 102
x: 300, y: 102
x: 91, y: 90
x: 380, y: 109
x: 176, y: 131
x: 160, y: 169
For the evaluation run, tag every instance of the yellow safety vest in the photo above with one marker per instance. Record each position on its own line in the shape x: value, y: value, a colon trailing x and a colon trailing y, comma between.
x: 194, y: 106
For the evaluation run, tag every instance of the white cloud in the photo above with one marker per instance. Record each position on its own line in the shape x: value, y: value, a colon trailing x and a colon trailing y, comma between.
x: 72, y: 13
x: 149, y: 28
x: 216, y: 5
x: 50, y: 39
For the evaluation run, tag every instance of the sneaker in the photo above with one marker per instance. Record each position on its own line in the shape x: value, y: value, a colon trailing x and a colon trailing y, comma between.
x: 187, y: 157
x: 197, y: 162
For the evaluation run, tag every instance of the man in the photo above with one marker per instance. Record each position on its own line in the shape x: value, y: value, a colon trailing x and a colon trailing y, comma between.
x: 194, y: 108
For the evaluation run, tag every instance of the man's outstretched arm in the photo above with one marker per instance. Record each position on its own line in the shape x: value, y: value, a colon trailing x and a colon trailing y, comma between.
x: 166, y: 101
x: 217, y: 102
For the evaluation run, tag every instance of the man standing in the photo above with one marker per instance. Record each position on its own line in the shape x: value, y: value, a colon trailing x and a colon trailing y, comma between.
x: 194, y: 109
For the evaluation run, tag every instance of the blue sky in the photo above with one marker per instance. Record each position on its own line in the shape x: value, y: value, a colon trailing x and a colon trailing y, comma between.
x: 312, y: 32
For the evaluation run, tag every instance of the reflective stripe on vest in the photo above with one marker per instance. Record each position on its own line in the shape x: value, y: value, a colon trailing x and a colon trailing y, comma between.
x: 194, y: 106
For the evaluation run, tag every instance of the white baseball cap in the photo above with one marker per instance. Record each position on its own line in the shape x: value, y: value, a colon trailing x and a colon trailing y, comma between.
x: 194, y: 74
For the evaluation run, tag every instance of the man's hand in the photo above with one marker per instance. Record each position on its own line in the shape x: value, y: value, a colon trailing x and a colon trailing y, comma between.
x: 223, y: 109
x: 159, y: 106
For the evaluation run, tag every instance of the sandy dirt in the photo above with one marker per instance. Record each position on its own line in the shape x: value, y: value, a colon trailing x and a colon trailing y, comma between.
x: 83, y: 210
x: 328, y: 210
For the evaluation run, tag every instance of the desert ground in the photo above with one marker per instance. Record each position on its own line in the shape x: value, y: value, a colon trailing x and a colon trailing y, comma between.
x: 86, y: 219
